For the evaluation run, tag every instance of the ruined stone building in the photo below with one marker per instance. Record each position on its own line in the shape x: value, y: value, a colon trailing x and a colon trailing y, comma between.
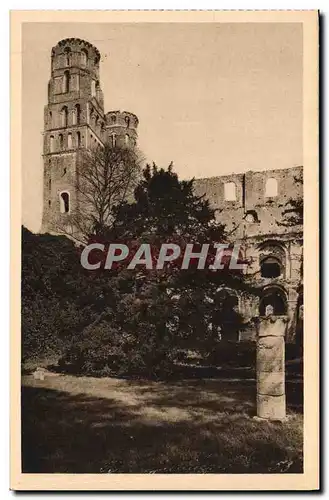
x: 249, y: 204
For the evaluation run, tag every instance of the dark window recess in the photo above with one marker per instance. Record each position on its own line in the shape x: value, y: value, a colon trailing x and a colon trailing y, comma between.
x: 66, y: 202
x: 270, y: 268
x: 276, y: 301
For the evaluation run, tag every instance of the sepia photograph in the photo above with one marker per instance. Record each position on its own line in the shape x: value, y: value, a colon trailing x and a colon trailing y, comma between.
x: 166, y: 198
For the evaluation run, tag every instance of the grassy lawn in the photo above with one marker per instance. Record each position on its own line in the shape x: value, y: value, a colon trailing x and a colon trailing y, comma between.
x: 103, y: 425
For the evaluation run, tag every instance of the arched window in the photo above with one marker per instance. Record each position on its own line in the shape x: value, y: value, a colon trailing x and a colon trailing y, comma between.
x: 113, y: 118
x: 49, y: 184
x: 273, y: 302
x: 64, y: 201
x: 67, y: 53
x: 84, y: 57
x: 271, y: 187
x: 272, y: 259
x: 93, y: 88
x: 52, y: 144
x: 127, y: 120
x: 230, y: 191
x: 64, y: 116
x: 78, y: 113
x: 114, y: 140
x: 61, y: 141
x: 50, y: 119
x: 66, y: 81
x: 69, y: 141
x: 78, y: 139
x: 127, y: 140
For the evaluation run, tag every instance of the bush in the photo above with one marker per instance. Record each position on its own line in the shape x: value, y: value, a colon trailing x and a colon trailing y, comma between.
x: 105, y: 349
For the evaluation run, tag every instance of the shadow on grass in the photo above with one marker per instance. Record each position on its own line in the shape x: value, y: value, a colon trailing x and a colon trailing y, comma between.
x: 80, y: 433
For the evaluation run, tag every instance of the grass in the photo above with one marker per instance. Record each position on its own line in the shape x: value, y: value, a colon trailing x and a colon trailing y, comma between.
x: 105, y: 425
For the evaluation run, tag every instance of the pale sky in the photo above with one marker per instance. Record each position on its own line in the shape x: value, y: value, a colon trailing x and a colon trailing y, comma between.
x: 213, y: 98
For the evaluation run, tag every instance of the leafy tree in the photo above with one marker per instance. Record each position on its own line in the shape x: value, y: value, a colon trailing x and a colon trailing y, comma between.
x: 157, y: 311
x: 293, y: 217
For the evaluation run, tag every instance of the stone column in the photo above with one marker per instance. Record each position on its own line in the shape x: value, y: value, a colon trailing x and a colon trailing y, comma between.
x: 271, y: 397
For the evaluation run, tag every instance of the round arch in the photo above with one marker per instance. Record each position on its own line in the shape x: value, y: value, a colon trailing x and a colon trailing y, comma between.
x: 273, y: 259
x: 273, y: 301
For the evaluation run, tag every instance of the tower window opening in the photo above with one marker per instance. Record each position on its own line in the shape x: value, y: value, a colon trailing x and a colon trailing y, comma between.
x: 66, y: 81
x: 78, y: 113
x: 50, y: 119
x: 67, y: 52
x: 271, y: 187
x: 78, y: 139
x: 49, y: 184
x: 65, y: 202
x: 64, y: 116
x: 52, y: 144
x: 113, y: 118
x: 230, y: 191
x: 69, y: 140
x: 61, y: 141
x: 49, y: 202
x: 84, y: 57
x: 93, y: 88
x: 127, y: 120
x: 114, y: 140
x: 127, y: 140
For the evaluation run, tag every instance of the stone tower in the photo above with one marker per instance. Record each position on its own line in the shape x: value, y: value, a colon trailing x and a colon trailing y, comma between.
x: 121, y: 128
x: 74, y: 120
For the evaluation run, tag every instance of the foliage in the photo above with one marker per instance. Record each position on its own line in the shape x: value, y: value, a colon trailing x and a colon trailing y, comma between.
x: 152, y: 313
x: 293, y: 214
x: 58, y: 296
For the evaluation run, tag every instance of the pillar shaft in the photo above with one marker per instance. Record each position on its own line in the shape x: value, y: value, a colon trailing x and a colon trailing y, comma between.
x: 271, y: 397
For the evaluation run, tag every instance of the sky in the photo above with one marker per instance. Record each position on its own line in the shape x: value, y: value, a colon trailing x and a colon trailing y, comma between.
x: 214, y: 98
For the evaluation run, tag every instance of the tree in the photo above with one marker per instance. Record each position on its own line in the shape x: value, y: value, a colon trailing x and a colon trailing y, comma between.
x: 106, y: 177
x: 293, y: 217
x: 153, y: 313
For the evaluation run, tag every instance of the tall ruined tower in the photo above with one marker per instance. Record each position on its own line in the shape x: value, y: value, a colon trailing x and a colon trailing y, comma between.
x: 74, y: 120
